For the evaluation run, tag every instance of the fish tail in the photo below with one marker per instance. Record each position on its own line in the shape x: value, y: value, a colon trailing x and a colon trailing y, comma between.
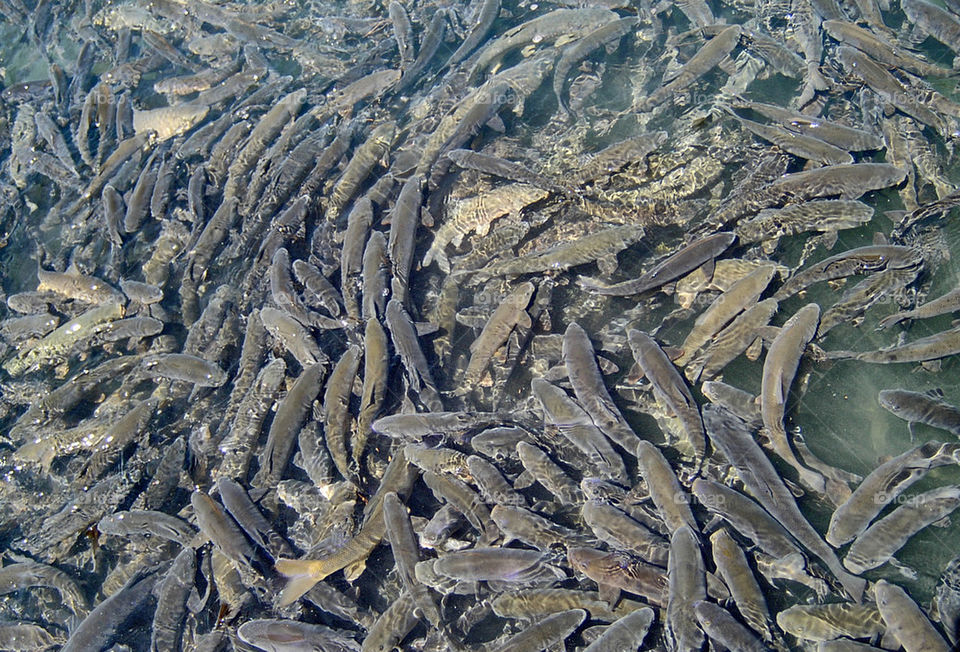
x: 841, y: 355
x: 891, y: 320
x: 301, y: 576
x: 591, y: 284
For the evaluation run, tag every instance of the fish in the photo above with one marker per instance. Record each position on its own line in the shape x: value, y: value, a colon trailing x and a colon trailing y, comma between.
x: 601, y: 245
x: 881, y: 50
x: 392, y: 626
x: 24, y: 575
x: 720, y: 626
x: 100, y: 626
x: 302, y: 574
x: 839, y: 135
x: 739, y: 296
x: 731, y: 563
x: 276, y: 635
x: 868, y: 292
x: 826, y: 622
x: 878, y: 543
x: 731, y: 437
x: 708, y: 56
x: 373, y: 149
x: 933, y: 20
x: 403, y: 543
x: 739, y: 336
x: 801, y: 145
x: 64, y: 338
x: 848, y: 181
x: 476, y: 214
x: 779, y: 370
x: 627, y: 632
x: 826, y: 215
x: 429, y: 43
x: 671, y: 500
x: 687, y: 585
x: 932, y: 347
x: 928, y: 408
x: 336, y: 403
x: 670, y: 389
x: 621, y: 532
x: 905, y: 621
x: 537, y: 30
x: 373, y: 392
x: 944, y: 607
x: 529, y: 604
x: 552, y: 630
x: 590, y: 390
x: 509, y: 314
x: 573, y: 54
x: 700, y: 252
x: 619, y: 571
x: 494, y: 165
x: 882, y: 485
x: 173, y: 592
x: 290, y: 415
x: 949, y: 302
x: 576, y: 426
x: 467, y: 501
x: 547, y: 473
x: 874, y: 75
x: 871, y: 258
x: 616, y: 156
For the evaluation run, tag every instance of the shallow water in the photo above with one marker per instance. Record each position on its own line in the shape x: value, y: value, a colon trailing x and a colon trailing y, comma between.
x: 832, y: 403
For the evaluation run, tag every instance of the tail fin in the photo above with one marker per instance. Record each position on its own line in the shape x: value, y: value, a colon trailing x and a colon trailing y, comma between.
x: 300, y: 579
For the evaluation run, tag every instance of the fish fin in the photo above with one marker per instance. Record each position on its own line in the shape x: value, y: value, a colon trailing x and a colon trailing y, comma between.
x: 523, y: 319
x: 609, y: 594
x: 889, y: 640
x: 496, y: 123
x: 794, y: 488
x: 902, y: 568
x: 353, y: 572
x: 426, y: 218
x: 709, y: 267
x: 425, y: 328
x: 830, y: 239
x: 768, y: 333
x: 770, y: 245
x: 635, y: 374
x: 754, y: 349
x: 728, y: 65
x: 879, y: 238
x: 673, y: 352
x: 933, y: 366
x: 524, y: 480
x: 607, y: 264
